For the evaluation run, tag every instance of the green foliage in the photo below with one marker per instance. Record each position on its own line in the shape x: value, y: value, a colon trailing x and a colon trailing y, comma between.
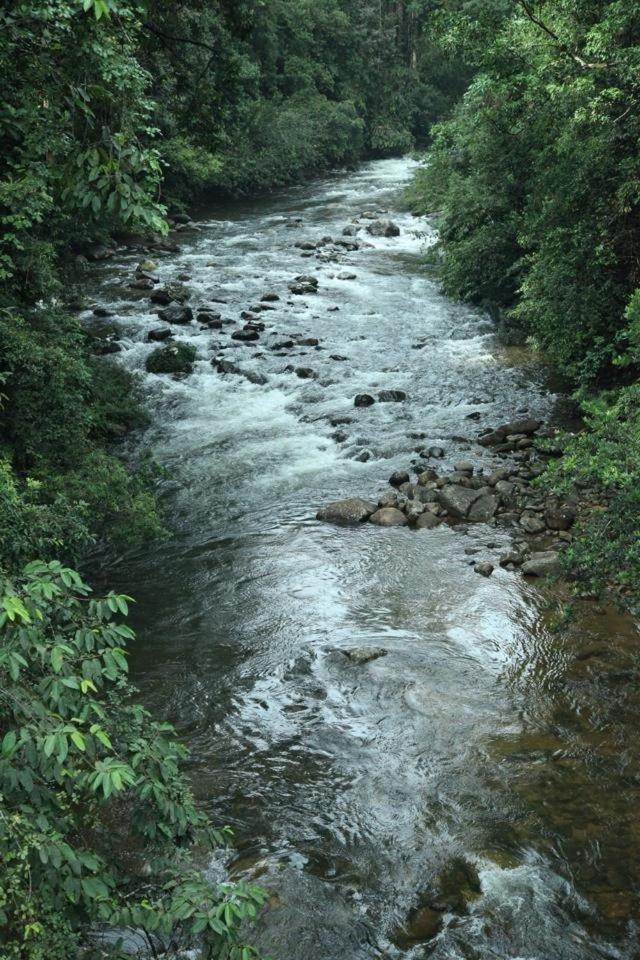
x: 59, y: 489
x: 535, y: 175
x: 86, y: 772
x: 251, y: 96
x: 604, y: 460
x: 535, y: 182
x: 78, y: 154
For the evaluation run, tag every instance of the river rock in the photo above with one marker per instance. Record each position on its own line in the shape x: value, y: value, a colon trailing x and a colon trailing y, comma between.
x: 531, y: 523
x: 465, y: 467
x: 246, y: 335
x: 269, y: 298
x: 383, y: 228
x: 159, y: 334
x: 437, y: 453
x: 363, y: 400
x: 512, y: 558
x: 392, y: 396
x: 258, y: 378
x: 225, y: 366
x: 497, y: 437
x: 174, y: 358
x: 427, y: 521
x: 484, y: 507
x: 398, y: 478
x: 305, y: 373
x: 168, y: 294
x: 423, y: 925
x: 362, y: 655
x: 300, y: 289
x: 142, y: 283
x: 389, y: 517
x: 456, y: 500
x: 558, y: 517
x: 175, y: 313
x: 338, y: 357
x: 346, y: 275
x: 545, y: 564
x: 484, y: 569
x: 282, y: 345
x: 353, y: 510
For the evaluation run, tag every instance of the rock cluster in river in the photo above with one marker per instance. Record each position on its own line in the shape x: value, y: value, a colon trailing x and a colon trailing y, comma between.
x: 503, y: 497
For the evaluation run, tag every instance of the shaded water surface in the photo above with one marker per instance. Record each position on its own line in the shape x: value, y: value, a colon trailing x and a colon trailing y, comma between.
x: 473, y: 794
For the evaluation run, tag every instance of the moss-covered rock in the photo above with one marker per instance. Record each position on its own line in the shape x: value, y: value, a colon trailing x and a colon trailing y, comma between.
x: 174, y: 358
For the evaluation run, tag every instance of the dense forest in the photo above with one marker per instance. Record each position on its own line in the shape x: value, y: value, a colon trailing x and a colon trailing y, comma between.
x: 118, y: 113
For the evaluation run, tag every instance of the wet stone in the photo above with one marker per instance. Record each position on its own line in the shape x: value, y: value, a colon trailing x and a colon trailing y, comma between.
x: 392, y: 396
x: 352, y: 510
x: 398, y: 478
x: 389, y: 517
x: 361, y: 655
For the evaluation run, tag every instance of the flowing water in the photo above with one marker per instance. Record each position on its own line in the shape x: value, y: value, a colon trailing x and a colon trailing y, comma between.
x: 493, y: 743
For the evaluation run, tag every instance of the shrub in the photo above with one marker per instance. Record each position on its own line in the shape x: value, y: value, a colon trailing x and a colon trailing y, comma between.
x: 97, y: 823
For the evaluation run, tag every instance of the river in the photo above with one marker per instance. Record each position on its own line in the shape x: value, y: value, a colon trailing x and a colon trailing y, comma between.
x: 474, y: 793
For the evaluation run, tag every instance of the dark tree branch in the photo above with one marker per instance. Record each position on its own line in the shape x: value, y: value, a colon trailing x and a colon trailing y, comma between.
x: 585, y: 64
x: 169, y: 38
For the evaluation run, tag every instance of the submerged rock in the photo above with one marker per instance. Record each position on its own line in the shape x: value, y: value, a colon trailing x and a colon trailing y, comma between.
x: 351, y: 511
x: 392, y: 396
x: 363, y: 400
x: 362, y: 655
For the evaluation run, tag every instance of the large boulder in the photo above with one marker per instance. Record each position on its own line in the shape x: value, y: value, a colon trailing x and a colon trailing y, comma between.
x: 456, y: 500
x: 383, y: 228
x: 174, y: 358
x: 484, y: 507
x: 389, y: 517
x: 351, y: 511
x: 545, y: 564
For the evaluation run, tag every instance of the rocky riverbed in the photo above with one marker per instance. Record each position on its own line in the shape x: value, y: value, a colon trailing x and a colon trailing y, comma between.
x: 419, y: 754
